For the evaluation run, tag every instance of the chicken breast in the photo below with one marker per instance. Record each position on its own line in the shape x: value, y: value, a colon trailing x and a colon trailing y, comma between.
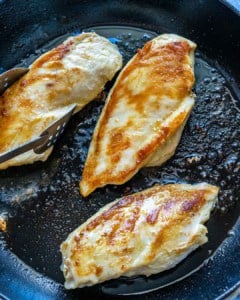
x: 141, y: 234
x: 145, y: 113
x: 74, y: 72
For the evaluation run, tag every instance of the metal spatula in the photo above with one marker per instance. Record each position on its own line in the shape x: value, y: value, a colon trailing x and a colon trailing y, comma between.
x: 9, y: 77
x: 48, y: 137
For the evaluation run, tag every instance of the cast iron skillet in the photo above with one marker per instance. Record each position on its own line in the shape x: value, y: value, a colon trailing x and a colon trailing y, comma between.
x: 42, y: 200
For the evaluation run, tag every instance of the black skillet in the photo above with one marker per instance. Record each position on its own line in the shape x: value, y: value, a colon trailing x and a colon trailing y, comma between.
x: 42, y: 201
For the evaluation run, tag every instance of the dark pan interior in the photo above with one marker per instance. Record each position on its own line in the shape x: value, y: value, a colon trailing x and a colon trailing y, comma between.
x: 42, y: 200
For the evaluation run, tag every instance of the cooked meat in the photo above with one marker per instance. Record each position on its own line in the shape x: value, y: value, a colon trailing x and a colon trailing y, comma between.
x: 145, y: 113
x: 74, y: 72
x: 141, y: 234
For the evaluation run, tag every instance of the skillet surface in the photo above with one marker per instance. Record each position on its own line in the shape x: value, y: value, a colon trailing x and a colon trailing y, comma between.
x: 42, y: 200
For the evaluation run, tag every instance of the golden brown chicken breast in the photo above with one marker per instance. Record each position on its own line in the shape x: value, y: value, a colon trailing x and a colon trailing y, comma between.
x: 145, y: 113
x: 74, y: 72
x: 141, y: 234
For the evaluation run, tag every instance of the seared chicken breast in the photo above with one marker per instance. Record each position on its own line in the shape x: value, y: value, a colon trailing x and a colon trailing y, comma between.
x: 144, y: 115
x: 140, y: 234
x: 74, y: 72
